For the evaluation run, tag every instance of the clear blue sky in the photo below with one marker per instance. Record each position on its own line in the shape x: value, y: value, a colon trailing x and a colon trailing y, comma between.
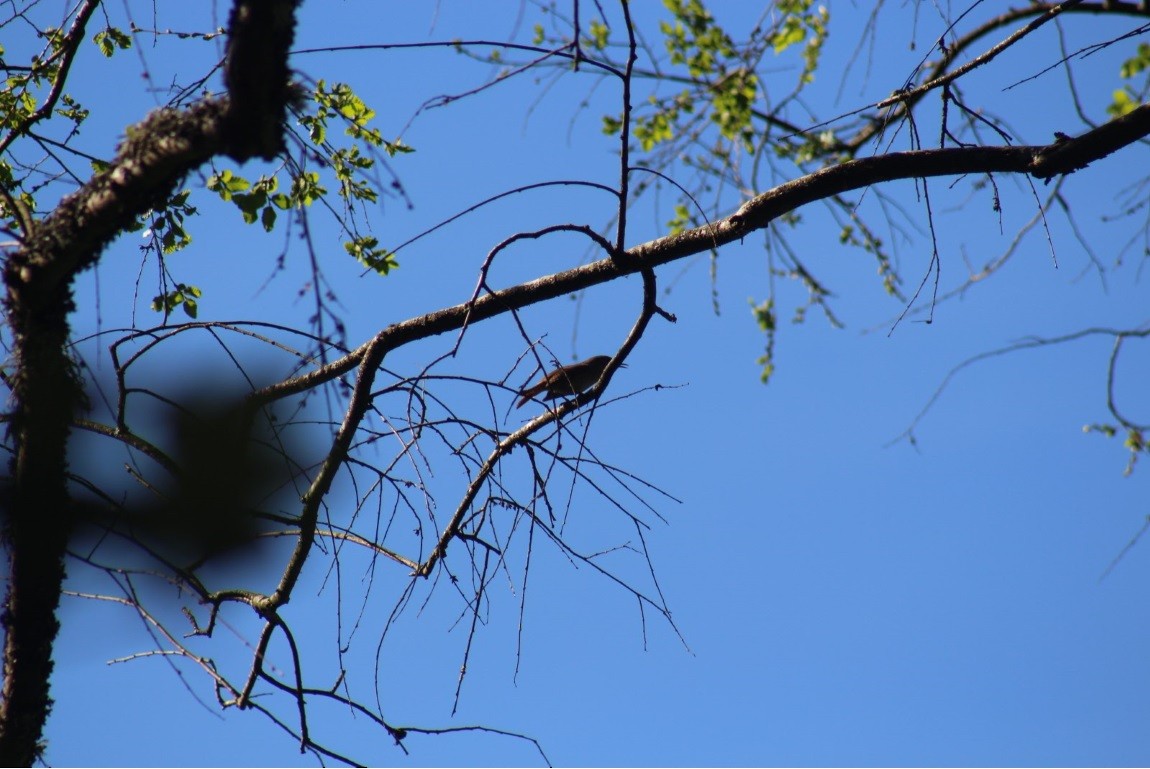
x: 843, y: 599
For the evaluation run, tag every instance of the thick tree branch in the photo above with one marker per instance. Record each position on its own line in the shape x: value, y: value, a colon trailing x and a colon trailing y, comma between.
x: 47, y: 395
x: 1040, y: 161
x: 256, y: 73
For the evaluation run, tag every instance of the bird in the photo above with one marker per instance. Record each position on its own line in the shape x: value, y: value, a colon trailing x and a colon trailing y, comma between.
x: 567, y: 380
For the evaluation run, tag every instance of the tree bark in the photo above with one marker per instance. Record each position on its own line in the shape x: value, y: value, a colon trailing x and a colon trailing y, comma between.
x: 47, y: 391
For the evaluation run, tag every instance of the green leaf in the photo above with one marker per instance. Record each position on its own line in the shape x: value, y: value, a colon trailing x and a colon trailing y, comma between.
x: 226, y: 184
x: 397, y: 147
x: 250, y: 204
x: 1122, y: 103
x: 306, y: 189
x: 72, y: 110
x: 791, y: 33
x: 680, y: 221
x: 182, y: 295
x: 109, y: 39
x: 367, y: 252
x: 1137, y: 63
x: 765, y: 317
x: 599, y: 33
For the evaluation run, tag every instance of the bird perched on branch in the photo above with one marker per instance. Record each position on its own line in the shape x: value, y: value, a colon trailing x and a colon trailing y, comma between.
x: 567, y: 380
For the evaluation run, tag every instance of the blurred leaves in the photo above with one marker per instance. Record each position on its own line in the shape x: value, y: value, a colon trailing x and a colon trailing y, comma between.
x: 228, y: 464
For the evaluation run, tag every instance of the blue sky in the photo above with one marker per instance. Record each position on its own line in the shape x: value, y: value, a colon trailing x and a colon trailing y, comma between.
x: 843, y: 597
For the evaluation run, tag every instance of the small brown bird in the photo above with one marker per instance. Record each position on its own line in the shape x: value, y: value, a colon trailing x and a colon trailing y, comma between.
x: 567, y: 380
